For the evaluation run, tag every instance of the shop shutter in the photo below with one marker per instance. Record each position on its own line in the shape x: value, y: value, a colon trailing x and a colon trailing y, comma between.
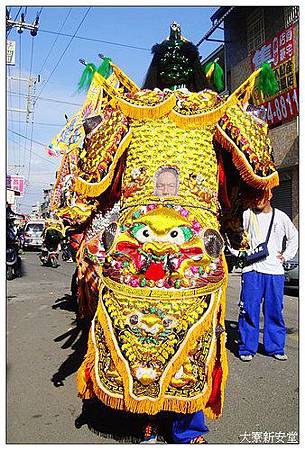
x: 282, y: 195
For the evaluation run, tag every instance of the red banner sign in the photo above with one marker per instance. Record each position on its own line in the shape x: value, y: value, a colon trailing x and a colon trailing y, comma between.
x: 15, y: 183
x: 280, y: 50
x: 282, y: 107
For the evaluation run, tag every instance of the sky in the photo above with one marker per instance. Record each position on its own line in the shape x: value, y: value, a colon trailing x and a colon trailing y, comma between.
x: 123, y: 33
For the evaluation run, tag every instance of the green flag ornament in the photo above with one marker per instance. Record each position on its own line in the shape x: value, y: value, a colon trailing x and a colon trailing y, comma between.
x: 105, y: 68
x: 87, y: 76
x: 267, y: 82
x: 214, y: 73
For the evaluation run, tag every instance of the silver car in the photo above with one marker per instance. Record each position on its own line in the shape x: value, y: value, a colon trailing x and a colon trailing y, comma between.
x: 33, y: 234
x: 291, y: 269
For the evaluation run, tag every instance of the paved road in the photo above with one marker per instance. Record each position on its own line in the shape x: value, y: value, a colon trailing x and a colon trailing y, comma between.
x: 45, y: 348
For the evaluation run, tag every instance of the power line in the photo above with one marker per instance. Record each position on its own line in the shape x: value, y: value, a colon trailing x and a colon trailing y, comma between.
x: 10, y: 95
x: 56, y: 100
x: 26, y: 128
x: 20, y: 63
x: 21, y: 135
x: 63, y: 53
x: 32, y: 56
x: 55, y: 40
x: 7, y: 34
x: 42, y: 182
x: 97, y: 40
x: 21, y: 24
x: 41, y: 123
x: 34, y: 153
x: 31, y: 147
x: 18, y: 12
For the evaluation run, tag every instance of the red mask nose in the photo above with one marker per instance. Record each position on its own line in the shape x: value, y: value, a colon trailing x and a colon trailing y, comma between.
x: 155, y: 272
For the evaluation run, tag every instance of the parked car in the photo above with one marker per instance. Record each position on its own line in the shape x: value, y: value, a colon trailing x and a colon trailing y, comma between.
x: 33, y: 234
x: 291, y: 269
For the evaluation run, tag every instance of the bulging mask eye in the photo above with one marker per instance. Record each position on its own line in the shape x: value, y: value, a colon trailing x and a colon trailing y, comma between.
x: 141, y: 232
x: 179, y: 235
x: 213, y: 243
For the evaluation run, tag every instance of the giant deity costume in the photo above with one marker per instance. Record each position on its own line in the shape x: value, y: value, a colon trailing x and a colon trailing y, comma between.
x: 181, y: 160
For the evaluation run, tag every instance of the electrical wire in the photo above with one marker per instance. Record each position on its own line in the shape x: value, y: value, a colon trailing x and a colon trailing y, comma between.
x: 10, y: 95
x: 21, y: 135
x: 32, y: 112
x: 44, y: 124
x: 34, y: 153
x: 8, y: 32
x: 63, y: 53
x: 56, y: 100
x: 31, y: 148
x: 55, y: 40
x: 28, y: 98
x: 19, y: 104
x: 97, y: 40
x: 18, y: 13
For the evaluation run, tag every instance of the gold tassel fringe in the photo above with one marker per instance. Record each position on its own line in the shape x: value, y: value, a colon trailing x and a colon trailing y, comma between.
x: 96, y: 189
x: 146, y: 112
x: 124, y: 79
x: 243, y: 165
x: 151, y: 406
x: 104, y: 83
x: 189, y: 122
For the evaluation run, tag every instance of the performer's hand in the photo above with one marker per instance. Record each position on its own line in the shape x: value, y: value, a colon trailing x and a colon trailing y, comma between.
x: 281, y: 257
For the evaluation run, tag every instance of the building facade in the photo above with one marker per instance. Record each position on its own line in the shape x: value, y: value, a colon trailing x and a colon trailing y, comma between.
x: 45, y: 205
x: 253, y: 35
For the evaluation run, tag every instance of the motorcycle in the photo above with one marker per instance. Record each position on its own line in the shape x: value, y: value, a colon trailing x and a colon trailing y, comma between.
x: 50, y: 248
x: 49, y: 258
x: 13, y: 260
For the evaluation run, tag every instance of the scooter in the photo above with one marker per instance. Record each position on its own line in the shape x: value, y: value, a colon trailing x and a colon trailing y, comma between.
x: 49, y: 257
x: 13, y: 261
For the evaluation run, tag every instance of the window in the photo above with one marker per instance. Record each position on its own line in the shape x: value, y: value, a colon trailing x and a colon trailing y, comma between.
x: 34, y: 227
x: 255, y: 29
x: 291, y: 15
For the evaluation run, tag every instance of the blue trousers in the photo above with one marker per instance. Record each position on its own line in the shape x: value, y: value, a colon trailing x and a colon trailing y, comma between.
x: 255, y: 287
x: 188, y: 426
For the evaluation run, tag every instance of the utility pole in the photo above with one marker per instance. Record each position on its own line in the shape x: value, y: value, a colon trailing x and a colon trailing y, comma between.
x: 29, y: 97
x: 14, y: 166
x: 22, y: 25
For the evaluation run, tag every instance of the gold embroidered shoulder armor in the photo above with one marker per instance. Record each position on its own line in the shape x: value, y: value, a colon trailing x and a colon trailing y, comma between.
x: 158, y: 340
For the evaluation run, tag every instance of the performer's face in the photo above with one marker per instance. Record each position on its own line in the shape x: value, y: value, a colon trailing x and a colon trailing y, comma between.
x: 263, y: 202
x: 166, y: 184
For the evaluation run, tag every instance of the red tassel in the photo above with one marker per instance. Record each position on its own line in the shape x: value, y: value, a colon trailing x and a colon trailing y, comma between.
x: 87, y: 374
x: 215, y: 396
x: 223, y: 182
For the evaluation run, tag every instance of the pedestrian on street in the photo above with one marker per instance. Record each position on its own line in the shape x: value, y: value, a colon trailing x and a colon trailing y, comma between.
x: 263, y: 278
